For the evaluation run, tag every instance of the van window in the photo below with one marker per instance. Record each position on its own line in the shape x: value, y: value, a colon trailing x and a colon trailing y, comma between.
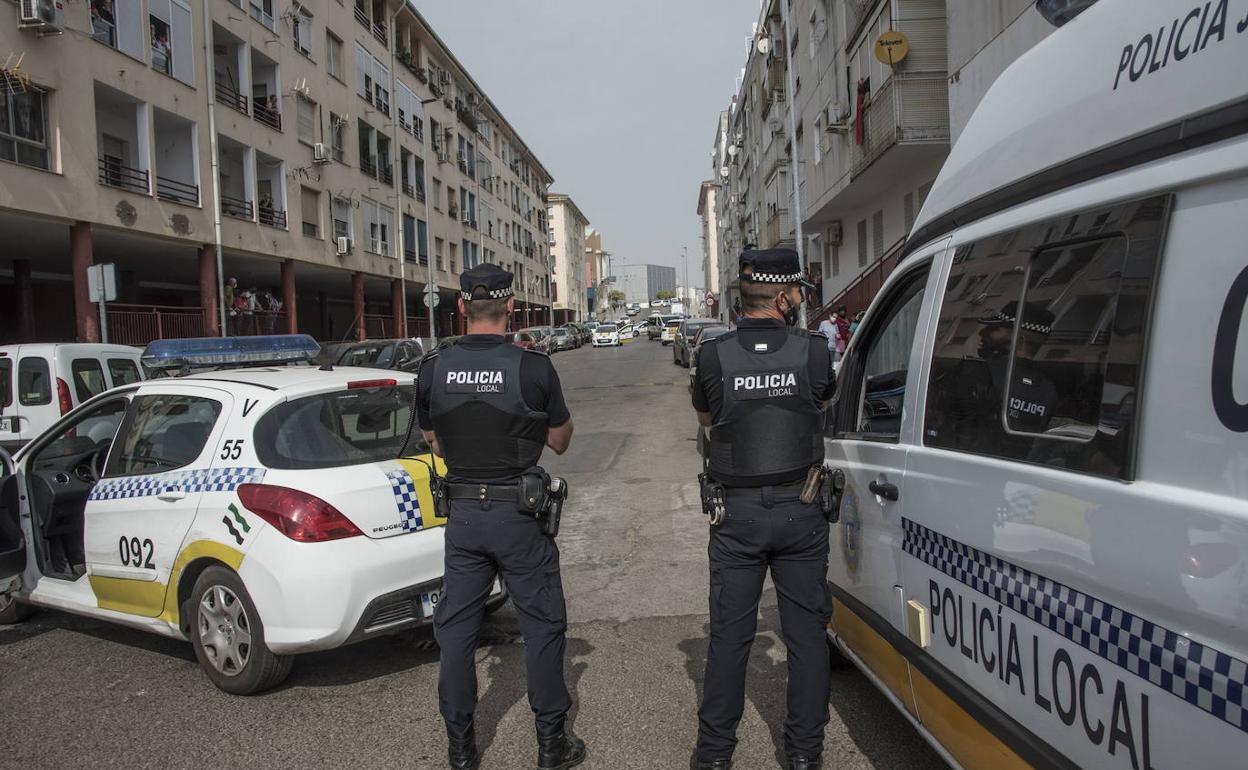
x: 34, y: 382
x: 328, y: 430
x: 6, y: 382
x: 1041, y: 341
x: 88, y: 378
x: 161, y: 433
x: 123, y: 371
x: 875, y: 379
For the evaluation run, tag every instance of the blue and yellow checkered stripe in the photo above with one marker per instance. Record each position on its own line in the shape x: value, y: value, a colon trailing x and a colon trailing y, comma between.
x: 196, y: 480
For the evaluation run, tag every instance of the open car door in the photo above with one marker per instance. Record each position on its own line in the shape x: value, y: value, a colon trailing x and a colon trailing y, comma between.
x: 12, y: 542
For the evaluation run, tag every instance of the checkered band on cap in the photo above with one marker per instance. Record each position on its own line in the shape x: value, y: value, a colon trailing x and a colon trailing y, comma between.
x: 1206, y: 678
x: 772, y: 277
x: 493, y: 294
x: 1029, y: 326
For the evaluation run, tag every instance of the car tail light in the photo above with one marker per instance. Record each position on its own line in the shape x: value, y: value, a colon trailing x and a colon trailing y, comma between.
x: 370, y: 384
x: 62, y: 396
x: 297, y: 515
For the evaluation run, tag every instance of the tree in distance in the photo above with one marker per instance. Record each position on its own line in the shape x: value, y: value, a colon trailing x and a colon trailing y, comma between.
x: 616, y: 297
x: 664, y: 294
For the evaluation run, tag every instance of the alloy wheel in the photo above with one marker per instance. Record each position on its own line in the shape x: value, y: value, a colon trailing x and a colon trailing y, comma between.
x: 224, y: 630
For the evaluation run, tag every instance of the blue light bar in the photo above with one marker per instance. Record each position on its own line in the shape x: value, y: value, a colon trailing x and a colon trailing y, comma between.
x: 230, y: 351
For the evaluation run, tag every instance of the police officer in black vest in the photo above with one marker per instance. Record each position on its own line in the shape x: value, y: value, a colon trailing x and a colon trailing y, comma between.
x: 761, y: 389
x: 488, y: 408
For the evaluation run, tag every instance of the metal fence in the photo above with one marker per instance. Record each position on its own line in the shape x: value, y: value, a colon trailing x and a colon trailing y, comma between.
x: 906, y: 108
x: 140, y: 324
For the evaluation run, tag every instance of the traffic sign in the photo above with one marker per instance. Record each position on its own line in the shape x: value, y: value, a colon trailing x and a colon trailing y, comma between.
x: 102, y: 283
x: 431, y: 300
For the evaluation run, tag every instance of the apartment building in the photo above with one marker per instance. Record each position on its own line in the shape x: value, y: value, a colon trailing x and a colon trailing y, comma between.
x: 642, y: 283
x: 710, y: 250
x: 567, y: 245
x: 598, y: 271
x: 333, y: 153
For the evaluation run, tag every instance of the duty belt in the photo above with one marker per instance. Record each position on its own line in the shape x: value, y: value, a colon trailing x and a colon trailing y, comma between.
x: 502, y: 493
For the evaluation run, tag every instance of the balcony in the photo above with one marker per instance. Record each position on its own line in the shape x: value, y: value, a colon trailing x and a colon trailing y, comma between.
x: 361, y: 15
x: 235, y: 207
x: 272, y: 217
x: 379, y: 31
x: 231, y: 98
x: 177, y: 192
x: 268, y: 115
x: 177, y: 169
x: 369, y: 166
x: 262, y: 11
x: 386, y: 174
x: 114, y: 173
x: 905, y: 110
x: 408, y: 190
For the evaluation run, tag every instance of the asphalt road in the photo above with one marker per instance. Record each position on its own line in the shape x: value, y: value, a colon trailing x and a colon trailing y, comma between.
x: 79, y: 693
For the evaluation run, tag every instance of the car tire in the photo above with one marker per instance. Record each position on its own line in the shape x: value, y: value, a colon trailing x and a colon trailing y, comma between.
x: 13, y: 610
x: 261, y: 669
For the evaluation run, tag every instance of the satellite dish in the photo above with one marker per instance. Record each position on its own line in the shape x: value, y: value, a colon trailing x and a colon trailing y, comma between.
x: 763, y: 45
x: 732, y: 150
x: 723, y: 171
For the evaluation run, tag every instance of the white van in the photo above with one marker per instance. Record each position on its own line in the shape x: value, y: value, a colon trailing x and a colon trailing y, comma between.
x: 39, y: 382
x: 1042, y: 548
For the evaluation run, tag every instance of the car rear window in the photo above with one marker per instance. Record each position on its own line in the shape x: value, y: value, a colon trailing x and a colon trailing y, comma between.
x: 6, y: 382
x: 34, y: 382
x: 608, y: 328
x: 88, y: 378
x: 123, y: 371
x: 329, y: 430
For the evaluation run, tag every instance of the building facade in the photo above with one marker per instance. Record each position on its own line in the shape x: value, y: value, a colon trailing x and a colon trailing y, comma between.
x: 335, y: 156
x: 714, y: 306
x: 567, y: 246
x: 642, y: 283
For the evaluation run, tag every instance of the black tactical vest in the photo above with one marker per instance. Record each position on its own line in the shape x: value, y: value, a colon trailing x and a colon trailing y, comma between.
x: 485, y: 429
x: 770, y: 422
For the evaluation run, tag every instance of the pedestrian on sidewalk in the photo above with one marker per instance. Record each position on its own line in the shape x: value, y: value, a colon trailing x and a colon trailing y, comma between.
x: 762, y: 389
x: 488, y: 408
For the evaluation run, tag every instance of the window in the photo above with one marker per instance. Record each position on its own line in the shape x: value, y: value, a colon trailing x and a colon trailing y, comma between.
x: 6, y: 383
x: 310, y: 202
x: 422, y: 241
x: 453, y: 261
x: 308, y: 122
x: 173, y: 49
x: 340, y: 214
x: 88, y: 377
x: 363, y: 73
x: 862, y: 243
x: 90, y: 431
x: 877, y: 232
x: 874, y: 391
x: 161, y: 433
x: 333, y: 54
x: 34, y: 382
x: 119, y: 24
x: 123, y: 371
x: 337, y: 135
x: 1040, y: 344
x: 301, y: 30
x: 330, y: 430
x: 438, y: 244
x: 24, y: 126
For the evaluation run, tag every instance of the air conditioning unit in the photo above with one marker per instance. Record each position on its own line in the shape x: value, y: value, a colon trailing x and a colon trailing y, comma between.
x: 835, y: 119
x: 320, y: 153
x: 835, y: 234
x: 343, y: 245
x: 42, y: 15
x: 444, y: 156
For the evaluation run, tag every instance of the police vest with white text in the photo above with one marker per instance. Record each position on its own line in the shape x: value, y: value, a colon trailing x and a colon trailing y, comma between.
x: 770, y: 422
x: 484, y: 427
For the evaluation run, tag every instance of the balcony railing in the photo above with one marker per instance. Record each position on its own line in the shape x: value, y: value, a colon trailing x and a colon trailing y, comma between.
x: 104, y: 31
x: 272, y: 217
x: 409, y: 254
x: 408, y: 190
x: 268, y: 116
x: 140, y: 324
x: 420, y: 194
x: 231, y: 98
x: 386, y: 174
x: 178, y: 192
x: 260, y: 14
x: 906, y: 109
x: 368, y: 166
x: 379, y: 31
x: 361, y: 16
x: 235, y: 207
x: 114, y: 173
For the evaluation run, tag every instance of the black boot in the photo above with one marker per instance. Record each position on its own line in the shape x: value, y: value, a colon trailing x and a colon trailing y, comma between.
x: 559, y: 751
x: 461, y: 749
x: 803, y: 762
x: 709, y: 764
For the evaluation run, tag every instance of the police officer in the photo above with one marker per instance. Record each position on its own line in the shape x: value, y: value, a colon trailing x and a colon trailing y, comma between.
x: 488, y: 407
x: 761, y: 389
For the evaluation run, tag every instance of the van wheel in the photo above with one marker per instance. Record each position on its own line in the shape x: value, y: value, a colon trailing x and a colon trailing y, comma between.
x: 228, y: 636
x: 836, y: 659
x: 13, y: 611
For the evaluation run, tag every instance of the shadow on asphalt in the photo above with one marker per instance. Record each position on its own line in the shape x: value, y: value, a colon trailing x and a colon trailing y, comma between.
x: 46, y: 621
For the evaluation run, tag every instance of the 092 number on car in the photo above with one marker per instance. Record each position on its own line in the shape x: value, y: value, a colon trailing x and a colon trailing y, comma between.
x: 136, y: 553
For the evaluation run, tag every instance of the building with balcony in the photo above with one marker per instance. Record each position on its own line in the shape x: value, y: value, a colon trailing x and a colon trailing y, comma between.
x: 567, y: 244
x: 710, y: 251
x: 335, y: 156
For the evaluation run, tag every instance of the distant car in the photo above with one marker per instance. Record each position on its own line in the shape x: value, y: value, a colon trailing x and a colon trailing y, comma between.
x: 654, y: 329
x: 576, y: 331
x: 562, y: 339
x: 524, y: 340
x: 669, y: 330
x: 686, y: 332
x: 606, y: 335
x: 628, y: 331
x: 401, y: 355
x: 541, y: 338
x: 707, y: 333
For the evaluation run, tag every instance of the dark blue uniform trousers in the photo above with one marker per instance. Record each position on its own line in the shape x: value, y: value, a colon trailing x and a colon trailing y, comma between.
x: 767, y: 527
x: 485, y: 540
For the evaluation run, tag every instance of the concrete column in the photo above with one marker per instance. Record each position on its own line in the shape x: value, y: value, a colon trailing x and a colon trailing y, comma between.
x: 288, y: 296
x: 209, y: 297
x: 396, y: 307
x: 25, y: 290
x: 86, y: 313
x: 357, y: 305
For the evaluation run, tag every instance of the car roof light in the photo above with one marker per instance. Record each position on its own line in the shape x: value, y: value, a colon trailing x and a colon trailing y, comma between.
x: 230, y: 351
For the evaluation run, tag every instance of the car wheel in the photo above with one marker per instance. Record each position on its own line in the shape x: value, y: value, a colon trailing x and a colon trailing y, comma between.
x: 228, y: 636
x: 13, y: 611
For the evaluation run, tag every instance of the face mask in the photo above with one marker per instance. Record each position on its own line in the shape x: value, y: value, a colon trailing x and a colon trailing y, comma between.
x: 790, y: 315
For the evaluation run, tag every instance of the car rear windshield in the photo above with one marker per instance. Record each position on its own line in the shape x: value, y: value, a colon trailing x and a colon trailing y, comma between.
x: 672, y: 323
x: 608, y: 328
x: 343, y: 427
x: 6, y: 382
x: 378, y: 356
x: 34, y: 382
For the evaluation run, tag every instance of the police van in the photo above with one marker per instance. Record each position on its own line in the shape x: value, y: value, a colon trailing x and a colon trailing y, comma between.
x: 1041, y: 555
x: 256, y: 512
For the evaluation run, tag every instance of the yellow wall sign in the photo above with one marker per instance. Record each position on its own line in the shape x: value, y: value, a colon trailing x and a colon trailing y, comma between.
x: 892, y: 47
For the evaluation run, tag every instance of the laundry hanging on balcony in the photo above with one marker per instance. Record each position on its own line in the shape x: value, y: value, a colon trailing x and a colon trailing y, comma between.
x: 860, y: 117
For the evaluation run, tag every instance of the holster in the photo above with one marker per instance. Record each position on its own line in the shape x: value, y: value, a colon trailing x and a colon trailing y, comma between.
x: 712, y: 495
x: 543, y: 495
x: 441, y: 503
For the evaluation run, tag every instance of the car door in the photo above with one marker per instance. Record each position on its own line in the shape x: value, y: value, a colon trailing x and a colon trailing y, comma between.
x: 157, y: 470
x: 12, y: 542
x: 873, y: 425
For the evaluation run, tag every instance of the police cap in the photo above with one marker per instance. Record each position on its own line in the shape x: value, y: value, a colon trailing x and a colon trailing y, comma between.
x: 780, y: 266
x: 1036, y: 317
x: 485, y: 281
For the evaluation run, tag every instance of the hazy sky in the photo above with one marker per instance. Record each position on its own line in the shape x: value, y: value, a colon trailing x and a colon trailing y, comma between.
x: 618, y: 98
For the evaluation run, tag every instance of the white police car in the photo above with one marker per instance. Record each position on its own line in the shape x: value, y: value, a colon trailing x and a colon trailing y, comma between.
x: 257, y: 512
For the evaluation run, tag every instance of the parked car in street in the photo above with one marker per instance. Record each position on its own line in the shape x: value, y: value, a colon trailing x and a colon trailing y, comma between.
x: 606, y: 335
x: 561, y: 338
x: 574, y: 331
x: 524, y: 340
x: 668, y: 332
x: 395, y: 354
x: 707, y: 333
x: 41, y: 382
x: 686, y: 333
x: 655, y: 324
x: 541, y: 338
